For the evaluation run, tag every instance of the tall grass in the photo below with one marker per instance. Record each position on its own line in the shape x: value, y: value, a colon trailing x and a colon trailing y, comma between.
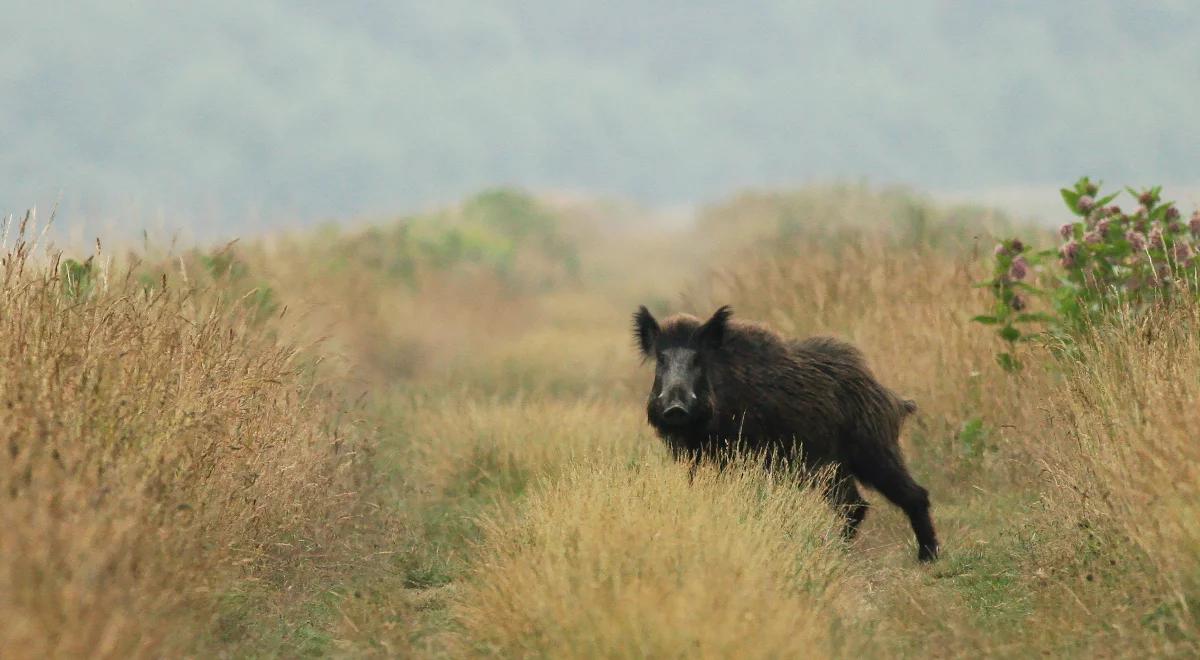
x: 160, y: 449
x: 1124, y: 452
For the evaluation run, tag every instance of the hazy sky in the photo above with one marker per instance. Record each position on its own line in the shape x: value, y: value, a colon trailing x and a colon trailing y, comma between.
x: 237, y: 114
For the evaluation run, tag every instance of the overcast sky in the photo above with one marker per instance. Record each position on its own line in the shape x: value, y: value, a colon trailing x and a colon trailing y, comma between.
x: 236, y: 115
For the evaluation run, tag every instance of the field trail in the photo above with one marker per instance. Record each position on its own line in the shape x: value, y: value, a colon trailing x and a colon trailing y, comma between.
x: 970, y: 597
x: 467, y: 457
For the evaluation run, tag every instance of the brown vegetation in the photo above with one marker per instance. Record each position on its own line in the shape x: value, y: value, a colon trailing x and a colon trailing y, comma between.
x: 160, y: 451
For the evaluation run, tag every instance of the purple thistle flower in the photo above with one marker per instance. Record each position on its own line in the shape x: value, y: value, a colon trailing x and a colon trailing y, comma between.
x: 1172, y: 213
x: 1016, y: 246
x: 1086, y: 204
x: 1136, y: 240
x: 1146, y: 198
x: 1017, y: 302
x: 1114, y: 210
x: 1102, y: 227
x: 1068, y: 252
x: 1019, y: 269
x: 1093, y: 237
x: 1066, y: 230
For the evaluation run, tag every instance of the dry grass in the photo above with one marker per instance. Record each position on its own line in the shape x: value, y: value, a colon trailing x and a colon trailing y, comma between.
x: 1125, y: 457
x: 536, y: 436
x: 159, y: 450
x: 825, y: 217
x: 612, y: 560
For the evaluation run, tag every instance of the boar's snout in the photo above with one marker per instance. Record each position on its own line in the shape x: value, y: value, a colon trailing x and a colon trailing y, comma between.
x: 677, y: 405
x: 675, y: 414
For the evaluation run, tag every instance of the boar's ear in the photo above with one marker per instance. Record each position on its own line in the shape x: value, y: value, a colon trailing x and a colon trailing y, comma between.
x: 712, y: 333
x: 645, y: 331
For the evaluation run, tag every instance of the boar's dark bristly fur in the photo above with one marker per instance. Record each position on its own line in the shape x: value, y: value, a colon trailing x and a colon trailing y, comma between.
x: 724, y: 384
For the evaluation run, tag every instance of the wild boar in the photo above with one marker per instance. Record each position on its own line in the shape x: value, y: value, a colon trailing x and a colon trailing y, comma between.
x: 722, y: 386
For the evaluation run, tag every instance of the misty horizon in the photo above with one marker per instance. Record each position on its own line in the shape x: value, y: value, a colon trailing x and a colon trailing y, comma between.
x: 226, y: 118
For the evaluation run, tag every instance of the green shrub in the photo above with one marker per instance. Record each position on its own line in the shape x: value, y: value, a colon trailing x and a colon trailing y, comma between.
x: 77, y: 278
x: 505, y: 233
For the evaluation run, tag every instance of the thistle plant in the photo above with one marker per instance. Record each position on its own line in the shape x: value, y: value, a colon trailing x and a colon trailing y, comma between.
x: 1011, y: 291
x: 1106, y: 257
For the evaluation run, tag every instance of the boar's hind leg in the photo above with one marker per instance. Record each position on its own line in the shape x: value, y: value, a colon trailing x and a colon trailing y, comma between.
x: 849, y: 502
x: 885, y: 472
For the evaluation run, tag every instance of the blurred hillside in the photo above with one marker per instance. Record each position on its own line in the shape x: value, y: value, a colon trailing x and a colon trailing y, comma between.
x: 306, y: 110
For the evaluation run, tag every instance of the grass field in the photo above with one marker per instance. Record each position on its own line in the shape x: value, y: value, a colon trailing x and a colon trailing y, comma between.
x: 428, y: 439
